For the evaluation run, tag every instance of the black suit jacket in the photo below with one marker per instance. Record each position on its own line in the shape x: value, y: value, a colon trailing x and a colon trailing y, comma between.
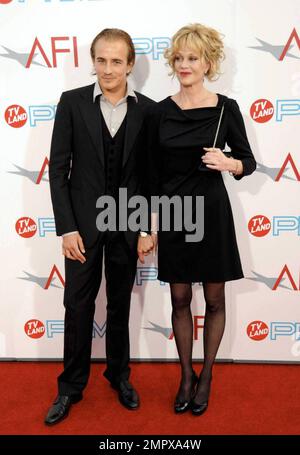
x: 76, y: 167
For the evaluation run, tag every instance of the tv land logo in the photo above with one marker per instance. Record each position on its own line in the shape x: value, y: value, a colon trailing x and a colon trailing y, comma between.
x: 259, y: 331
x: 260, y: 225
x: 273, y: 283
x: 26, y: 227
x: 262, y: 110
x: 34, y: 328
x: 16, y: 116
x: 276, y: 173
x: 35, y: 177
x: 280, y: 52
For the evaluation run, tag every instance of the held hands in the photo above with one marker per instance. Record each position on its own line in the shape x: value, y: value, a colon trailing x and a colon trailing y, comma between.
x: 215, y: 159
x: 72, y: 247
x: 146, y: 245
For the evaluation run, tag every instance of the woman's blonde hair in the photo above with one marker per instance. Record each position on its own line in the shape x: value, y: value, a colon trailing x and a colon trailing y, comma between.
x: 205, y: 41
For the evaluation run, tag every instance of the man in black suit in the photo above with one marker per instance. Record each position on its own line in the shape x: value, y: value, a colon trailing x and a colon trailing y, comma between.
x: 95, y: 150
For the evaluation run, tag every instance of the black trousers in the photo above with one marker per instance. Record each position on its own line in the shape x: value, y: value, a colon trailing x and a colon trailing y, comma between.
x: 82, y: 283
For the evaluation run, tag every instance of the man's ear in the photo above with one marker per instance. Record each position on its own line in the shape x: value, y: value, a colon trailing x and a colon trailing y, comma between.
x: 129, y: 68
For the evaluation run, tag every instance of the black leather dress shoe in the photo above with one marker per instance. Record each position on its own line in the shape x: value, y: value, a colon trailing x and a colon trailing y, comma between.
x: 182, y: 406
x: 128, y: 396
x: 60, y: 408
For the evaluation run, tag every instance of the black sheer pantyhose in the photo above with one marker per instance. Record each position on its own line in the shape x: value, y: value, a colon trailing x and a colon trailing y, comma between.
x: 214, y: 324
x: 182, y: 323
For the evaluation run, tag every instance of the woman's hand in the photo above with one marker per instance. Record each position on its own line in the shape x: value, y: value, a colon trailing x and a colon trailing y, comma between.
x: 215, y: 159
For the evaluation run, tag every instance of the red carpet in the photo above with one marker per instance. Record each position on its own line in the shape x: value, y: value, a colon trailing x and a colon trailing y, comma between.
x: 245, y: 399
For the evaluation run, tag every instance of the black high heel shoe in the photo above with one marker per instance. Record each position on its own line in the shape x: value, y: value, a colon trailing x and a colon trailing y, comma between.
x: 183, y: 406
x: 199, y: 408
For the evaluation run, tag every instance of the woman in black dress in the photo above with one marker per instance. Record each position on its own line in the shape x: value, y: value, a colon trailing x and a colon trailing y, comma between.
x: 182, y: 161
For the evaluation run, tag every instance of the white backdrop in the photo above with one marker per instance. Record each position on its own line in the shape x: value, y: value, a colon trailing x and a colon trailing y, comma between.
x: 44, y: 50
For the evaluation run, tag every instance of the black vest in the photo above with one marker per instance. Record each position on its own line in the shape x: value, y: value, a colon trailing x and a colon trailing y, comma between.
x: 113, y: 156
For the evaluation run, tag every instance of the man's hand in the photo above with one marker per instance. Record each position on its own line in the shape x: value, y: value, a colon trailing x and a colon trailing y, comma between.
x: 145, y: 245
x: 72, y: 247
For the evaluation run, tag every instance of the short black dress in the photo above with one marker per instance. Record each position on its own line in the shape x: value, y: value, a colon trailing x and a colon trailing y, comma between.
x: 175, y: 141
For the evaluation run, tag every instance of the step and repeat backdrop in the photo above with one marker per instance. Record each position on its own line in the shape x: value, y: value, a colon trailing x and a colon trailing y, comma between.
x: 44, y: 50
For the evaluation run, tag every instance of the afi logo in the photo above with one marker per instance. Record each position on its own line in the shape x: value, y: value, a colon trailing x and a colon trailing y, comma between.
x: 290, y: 160
x: 282, y: 51
x: 42, y: 170
x: 37, y: 46
x: 276, y: 173
x: 285, y: 272
x: 45, y: 281
x: 34, y: 176
x: 293, y: 36
x: 198, y: 325
x: 53, y: 272
x: 167, y: 332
